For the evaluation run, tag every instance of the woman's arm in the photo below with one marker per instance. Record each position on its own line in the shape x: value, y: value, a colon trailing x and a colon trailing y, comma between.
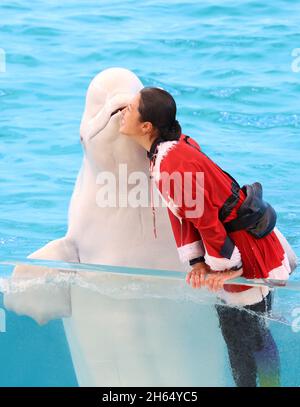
x: 199, y: 220
x: 188, y: 240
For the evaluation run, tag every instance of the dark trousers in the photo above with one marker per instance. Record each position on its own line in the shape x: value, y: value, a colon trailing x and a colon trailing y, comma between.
x: 251, y: 348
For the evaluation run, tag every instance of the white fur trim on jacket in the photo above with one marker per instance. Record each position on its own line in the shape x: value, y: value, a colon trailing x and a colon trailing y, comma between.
x: 248, y: 297
x: 256, y: 294
x: 291, y: 255
x: 162, y: 150
x: 221, y: 263
x: 190, y: 251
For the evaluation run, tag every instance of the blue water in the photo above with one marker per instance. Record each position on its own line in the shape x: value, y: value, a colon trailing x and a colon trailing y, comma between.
x: 227, y: 63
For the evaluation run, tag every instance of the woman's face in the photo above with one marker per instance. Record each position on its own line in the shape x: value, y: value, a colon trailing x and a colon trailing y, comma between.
x: 131, y: 124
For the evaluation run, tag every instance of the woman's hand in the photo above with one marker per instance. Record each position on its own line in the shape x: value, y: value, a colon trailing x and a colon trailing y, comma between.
x: 215, y: 279
x: 196, y: 277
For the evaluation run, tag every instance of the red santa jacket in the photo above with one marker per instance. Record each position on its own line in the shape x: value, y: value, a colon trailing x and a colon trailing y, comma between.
x: 183, y: 175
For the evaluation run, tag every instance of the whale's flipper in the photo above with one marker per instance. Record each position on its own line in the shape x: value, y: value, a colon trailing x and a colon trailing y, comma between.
x: 30, y: 292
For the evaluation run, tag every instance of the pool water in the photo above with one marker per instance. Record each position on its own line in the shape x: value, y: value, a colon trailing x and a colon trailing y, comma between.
x: 230, y: 67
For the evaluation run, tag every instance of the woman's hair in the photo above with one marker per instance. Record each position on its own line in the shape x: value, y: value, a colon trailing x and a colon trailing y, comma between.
x: 159, y: 107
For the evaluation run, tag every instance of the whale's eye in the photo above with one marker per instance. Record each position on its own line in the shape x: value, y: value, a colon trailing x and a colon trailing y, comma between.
x: 117, y: 111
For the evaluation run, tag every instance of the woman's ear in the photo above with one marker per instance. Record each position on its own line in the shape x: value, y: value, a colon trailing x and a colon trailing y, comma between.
x: 147, y: 128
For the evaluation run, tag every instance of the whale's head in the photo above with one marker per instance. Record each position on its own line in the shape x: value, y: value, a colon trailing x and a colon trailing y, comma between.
x: 108, y: 93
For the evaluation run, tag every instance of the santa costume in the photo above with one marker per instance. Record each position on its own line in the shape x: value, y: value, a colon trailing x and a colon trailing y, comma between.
x: 205, y: 237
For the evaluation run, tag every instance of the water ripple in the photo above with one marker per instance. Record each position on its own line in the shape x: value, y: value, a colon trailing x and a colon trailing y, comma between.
x: 260, y: 121
x: 228, y: 65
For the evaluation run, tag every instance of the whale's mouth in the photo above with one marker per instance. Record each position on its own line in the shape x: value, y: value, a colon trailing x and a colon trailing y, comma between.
x: 117, y: 111
x: 110, y: 109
